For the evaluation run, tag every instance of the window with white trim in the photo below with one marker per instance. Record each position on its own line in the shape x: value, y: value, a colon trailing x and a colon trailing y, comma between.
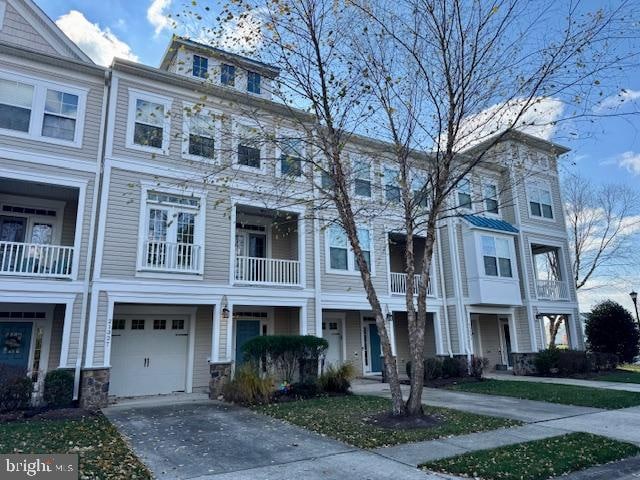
x: 391, y: 186
x: 200, y: 66
x: 362, y: 177
x: 149, y: 122
x: 540, y: 200
x: 496, y: 254
x: 253, y: 82
x: 341, y: 256
x: 464, y: 194
x: 42, y: 110
x: 419, y: 190
x: 200, y: 134
x: 227, y: 75
x: 291, y: 154
x: 490, y: 194
x: 249, y: 147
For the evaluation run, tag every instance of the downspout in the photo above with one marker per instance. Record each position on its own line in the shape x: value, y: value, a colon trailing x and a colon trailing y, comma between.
x: 444, y: 294
x: 97, y: 190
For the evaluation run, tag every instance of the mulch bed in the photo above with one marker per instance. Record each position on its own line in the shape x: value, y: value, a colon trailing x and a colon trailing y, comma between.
x: 387, y: 420
x: 46, y: 414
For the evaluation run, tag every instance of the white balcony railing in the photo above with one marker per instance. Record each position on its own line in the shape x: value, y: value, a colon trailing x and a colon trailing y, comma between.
x: 269, y: 271
x: 399, y: 284
x: 171, y: 257
x: 552, y: 290
x: 35, y: 260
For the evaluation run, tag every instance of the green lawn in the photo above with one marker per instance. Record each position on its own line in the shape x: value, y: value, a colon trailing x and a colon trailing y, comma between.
x: 345, y: 418
x: 538, y: 460
x: 103, y: 452
x: 549, y: 392
x: 623, y: 374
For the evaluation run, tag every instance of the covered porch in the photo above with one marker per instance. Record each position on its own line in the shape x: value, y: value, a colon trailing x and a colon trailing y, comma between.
x: 493, y: 337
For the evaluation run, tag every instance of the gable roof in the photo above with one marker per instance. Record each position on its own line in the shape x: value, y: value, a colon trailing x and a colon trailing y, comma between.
x: 522, y: 137
x: 48, y: 29
x: 490, y: 223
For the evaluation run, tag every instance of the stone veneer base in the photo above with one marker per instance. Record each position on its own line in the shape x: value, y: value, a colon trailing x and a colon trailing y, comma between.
x: 94, y: 388
x: 220, y: 374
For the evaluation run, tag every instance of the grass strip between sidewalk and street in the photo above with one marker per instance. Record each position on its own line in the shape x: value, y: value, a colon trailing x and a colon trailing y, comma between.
x: 537, y: 460
x: 351, y: 419
x: 103, y: 453
x: 554, y: 393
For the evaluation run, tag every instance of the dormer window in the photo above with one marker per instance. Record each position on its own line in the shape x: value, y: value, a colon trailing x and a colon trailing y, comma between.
x: 227, y: 75
x: 253, y: 82
x: 200, y: 66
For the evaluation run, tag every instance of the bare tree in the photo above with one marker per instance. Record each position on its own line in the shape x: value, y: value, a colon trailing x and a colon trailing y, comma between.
x: 442, y: 81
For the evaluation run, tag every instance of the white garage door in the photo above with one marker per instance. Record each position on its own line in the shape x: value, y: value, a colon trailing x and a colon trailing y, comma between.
x: 148, y: 355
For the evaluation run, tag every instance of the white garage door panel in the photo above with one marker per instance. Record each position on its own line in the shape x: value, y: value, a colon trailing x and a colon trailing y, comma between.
x: 149, y: 361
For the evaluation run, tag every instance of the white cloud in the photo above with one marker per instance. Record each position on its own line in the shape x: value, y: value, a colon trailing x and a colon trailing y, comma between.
x: 631, y: 161
x: 101, y: 45
x: 614, y: 102
x: 158, y: 15
x: 538, y: 120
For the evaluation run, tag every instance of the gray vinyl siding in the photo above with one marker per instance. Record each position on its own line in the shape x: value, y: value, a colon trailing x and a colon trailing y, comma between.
x: 463, y: 263
x: 403, y: 351
x: 286, y: 321
x: 354, y: 339
x: 522, y: 329
x: 55, y: 346
x: 447, y: 262
x: 202, y: 346
x: 16, y: 30
x: 74, y: 336
x: 93, y: 112
x: 453, y: 329
x: 101, y: 321
x: 490, y: 339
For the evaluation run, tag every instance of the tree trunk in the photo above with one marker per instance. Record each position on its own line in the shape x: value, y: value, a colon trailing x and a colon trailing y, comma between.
x: 554, y: 325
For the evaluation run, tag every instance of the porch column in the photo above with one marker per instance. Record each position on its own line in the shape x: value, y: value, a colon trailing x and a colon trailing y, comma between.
x: 301, y: 249
x: 570, y: 319
x: 303, y: 320
x: 392, y: 334
x: 437, y: 329
x: 66, y: 334
x: 215, y: 334
x: 229, y: 353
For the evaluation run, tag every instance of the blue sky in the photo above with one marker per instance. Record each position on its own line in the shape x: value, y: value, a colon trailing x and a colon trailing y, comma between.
x: 607, y: 150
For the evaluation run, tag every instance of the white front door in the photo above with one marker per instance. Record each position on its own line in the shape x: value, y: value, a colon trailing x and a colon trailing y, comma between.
x: 332, y: 326
x: 149, y: 354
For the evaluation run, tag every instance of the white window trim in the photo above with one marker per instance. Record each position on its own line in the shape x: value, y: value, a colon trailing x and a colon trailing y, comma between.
x: 351, y: 263
x: 290, y: 133
x: 3, y: 9
x: 208, y: 75
x: 37, y: 109
x: 246, y: 89
x: 384, y: 184
x: 457, y: 197
x: 57, y: 222
x: 134, y: 96
x: 247, y: 123
x: 359, y: 157
x: 480, y: 256
x: 217, y: 134
x: 199, y: 238
x: 538, y: 183
x: 494, y: 183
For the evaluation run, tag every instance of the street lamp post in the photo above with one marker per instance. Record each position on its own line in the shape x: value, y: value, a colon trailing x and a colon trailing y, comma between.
x: 634, y: 299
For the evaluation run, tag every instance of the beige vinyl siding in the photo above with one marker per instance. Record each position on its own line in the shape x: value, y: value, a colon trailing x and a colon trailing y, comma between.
x: 284, y: 241
x: 489, y: 337
x: 447, y: 262
x: 202, y: 346
x: 354, y: 339
x: 55, y: 346
x: 522, y: 329
x: 16, y: 30
x: 463, y: 262
x: 74, y: 336
x: 453, y: 329
x: 93, y: 112
x: 101, y: 322
x: 403, y: 352
x: 311, y: 318
x: 286, y: 321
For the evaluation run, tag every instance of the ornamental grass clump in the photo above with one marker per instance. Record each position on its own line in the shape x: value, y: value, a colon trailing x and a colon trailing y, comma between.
x: 337, y: 379
x: 248, y: 387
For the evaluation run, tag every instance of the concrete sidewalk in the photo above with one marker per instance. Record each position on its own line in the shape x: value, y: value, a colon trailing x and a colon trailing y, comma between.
x: 627, y: 387
x: 528, y: 411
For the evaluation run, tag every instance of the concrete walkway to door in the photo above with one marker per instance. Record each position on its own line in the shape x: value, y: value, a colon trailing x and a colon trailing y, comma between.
x: 203, y: 439
x: 577, y: 382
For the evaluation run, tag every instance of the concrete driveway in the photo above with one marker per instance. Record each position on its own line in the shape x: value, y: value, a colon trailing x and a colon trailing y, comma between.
x: 211, y: 440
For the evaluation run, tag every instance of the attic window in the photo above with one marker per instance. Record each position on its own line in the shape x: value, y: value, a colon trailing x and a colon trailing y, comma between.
x: 200, y: 66
x: 253, y: 82
x: 227, y: 75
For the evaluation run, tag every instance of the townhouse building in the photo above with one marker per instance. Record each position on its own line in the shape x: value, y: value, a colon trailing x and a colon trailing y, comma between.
x: 129, y: 254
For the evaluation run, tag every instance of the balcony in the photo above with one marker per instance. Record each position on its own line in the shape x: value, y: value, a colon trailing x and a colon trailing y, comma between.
x: 267, y: 271
x: 172, y: 257
x: 35, y: 260
x: 552, y: 290
x: 399, y: 284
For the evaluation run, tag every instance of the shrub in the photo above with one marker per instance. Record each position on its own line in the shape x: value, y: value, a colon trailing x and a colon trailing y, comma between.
x: 285, y: 353
x: 447, y: 367
x: 15, y: 388
x: 602, y: 362
x: 58, y: 388
x: 572, y: 362
x: 247, y: 387
x: 611, y: 329
x: 337, y: 379
x: 432, y: 368
x: 454, y: 367
x: 546, y: 361
x: 477, y: 366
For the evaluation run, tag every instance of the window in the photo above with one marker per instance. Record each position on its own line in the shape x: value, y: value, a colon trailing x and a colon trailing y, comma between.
x: 177, y: 324
x: 137, y: 324
x: 16, y: 101
x: 464, y: 194
x: 201, y: 131
x: 118, y: 324
x: 60, y: 112
x: 391, y: 188
x: 159, y: 324
x: 419, y: 189
x: 171, y: 239
x: 149, y: 124
x: 291, y: 156
x: 227, y: 75
x: 338, y: 251
x: 362, y: 178
x: 496, y: 254
x: 200, y: 66
x: 253, y: 82
x: 326, y: 180
x: 540, y: 200
x: 249, y: 151
x: 341, y: 257
x: 490, y: 193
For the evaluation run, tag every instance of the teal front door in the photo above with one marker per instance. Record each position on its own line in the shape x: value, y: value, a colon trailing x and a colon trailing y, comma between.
x: 245, y: 331
x: 374, y: 342
x: 15, y: 341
